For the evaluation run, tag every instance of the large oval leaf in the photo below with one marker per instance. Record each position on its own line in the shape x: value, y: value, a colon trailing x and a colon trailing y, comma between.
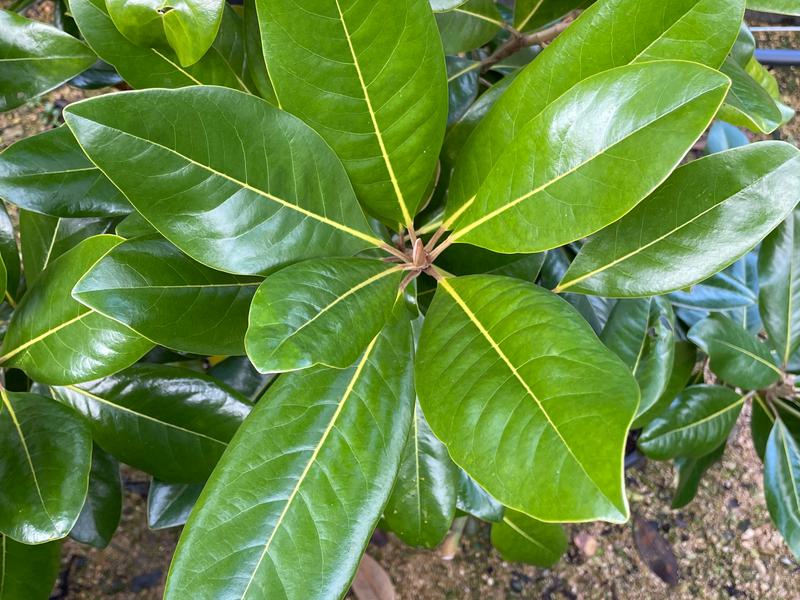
x: 706, y: 215
x: 291, y: 506
x: 36, y: 58
x: 518, y: 368
x: 374, y: 86
x: 519, y: 538
x: 49, y: 173
x: 28, y: 572
x: 101, y: 512
x: 701, y: 31
x: 168, y: 421
x: 321, y: 311
x: 782, y: 484
x: 56, y: 339
x: 638, y: 118
x: 423, y: 501
x: 468, y: 26
x: 695, y: 424
x: 232, y: 181
x: 44, y: 473
x: 153, y: 288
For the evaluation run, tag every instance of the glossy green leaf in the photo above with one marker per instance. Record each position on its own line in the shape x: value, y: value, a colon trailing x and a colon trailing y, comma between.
x: 782, y: 484
x: 57, y: 340
x: 682, y: 368
x: 169, y: 504
x: 779, y: 287
x: 642, y: 333
x: 701, y: 31
x: 785, y: 7
x: 322, y: 311
x: 291, y: 506
x: 443, y: 5
x: 556, y: 263
x: 133, y: 226
x: 103, y: 507
x: 36, y: 58
x: 536, y: 196
x: 9, y: 253
x: 748, y: 104
x: 143, y: 67
x: 462, y: 86
x: 212, y: 205
x: 696, y: 423
x: 423, y: 501
x: 44, y: 474
x: 706, y: 215
x: 487, y: 354
x: 468, y: 26
x: 462, y: 259
x: 165, y: 296
x: 690, y: 472
x: 473, y: 500
x: 189, y: 26
x: 723, y: 291
x: 44, y: 238
x: 520, y: 538
x: 256, y: 66
x: 370, y: 78
x: 28, y: 572
x: 532, y: 14
x: 49, y: 173
x: 239, y: 373
x: 736, y: 356
x: 171, y: 422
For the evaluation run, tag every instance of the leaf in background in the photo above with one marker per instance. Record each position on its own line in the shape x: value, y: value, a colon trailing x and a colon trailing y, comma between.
x: 706, y: 215
x: 55, y: 339
x: 690, y: 471
x: 462, y: 86
x: 701, y: 31
x: 722, y: 291
x: 133, y: 226
x: 36, y: 58
x: 784, y: 7
x: 554, y: 163
x: 165, y: 296
x: 468, y: 26
x: 445, y: 5
x: 556, y: 263
x: 532, y: 14
x: 103, y: 507
x: 28, y: 572
x: 256, y: 66
x: 322, y: 311
x: 9, y: 254
x: 642, y: 333
x: 170, y: 504
x: 696, y: 423
x: 49, y: 173
x: 724, y: 136
x: 321, y: 442
x: 143, y: 67
x: 44, y: 474
x: 422, y: 505
x: 779, y: 283
x: 737, y: 357
x: 201, y: 192
x: 782, y: 484
x: 682, y: 368
x: 374, y: 86
x: 473, y: 500
x: 171, y: 422
x: 748, y: 104
x: 372, y: 582
x: 462, y: 259
x: 239, y: 373
x: 519, y: 538
x: 487, y: 353
x: 763, y: 417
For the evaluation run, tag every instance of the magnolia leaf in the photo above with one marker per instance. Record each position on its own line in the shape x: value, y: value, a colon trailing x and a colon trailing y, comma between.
x: 9, y: 254
x: 462, y: 86
x: 44, y: 474
x: 101, y: 512
x: 56, y: 339
x: 553, y: 165
x: 487, y: 353
x: 321, y: 442
x: 779, y: 287
x: 736, y: 356
x: 322, y: 311
x: 682, y: 368
x: 256, y: 65
x: 706, y: 215
x: 49, y: 173
x: 520, y: 538
x: 700, y: 31
x: 532, y: 14
x: 722, y: 291
x: 784, y: 7
x: 198, y: 189
x: 170, y: 504
x: 462, y: 259
x: 370, y: 78
x: 782, y: 484
x: 724, y: 136
x: 690, y: 471
x: 445, y: 5
x: 473, y: 500
x: 144, y: 67
x: 468, y: 26
x: 163, y: 295
x: 36, y: 58
x: 748, y: 104
x: 171, y: 422
x: 696, y: 423
x: 28, y: 572
x: 423, y: 501
x: 239, y: 373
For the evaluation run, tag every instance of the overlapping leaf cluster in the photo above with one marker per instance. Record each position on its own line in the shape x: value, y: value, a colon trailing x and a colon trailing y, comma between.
x: 335, y: 264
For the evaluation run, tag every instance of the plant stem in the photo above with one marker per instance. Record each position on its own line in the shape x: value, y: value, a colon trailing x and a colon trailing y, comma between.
x: 394, y: 251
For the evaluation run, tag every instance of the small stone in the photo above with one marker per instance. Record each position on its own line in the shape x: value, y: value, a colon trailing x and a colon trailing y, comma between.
x: 586, y: 543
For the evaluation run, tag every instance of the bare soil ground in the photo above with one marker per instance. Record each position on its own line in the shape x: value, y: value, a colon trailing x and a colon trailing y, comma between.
x: 724, y: 543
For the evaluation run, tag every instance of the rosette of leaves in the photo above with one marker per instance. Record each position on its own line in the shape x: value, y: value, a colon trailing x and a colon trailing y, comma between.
x: 272, y: 276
